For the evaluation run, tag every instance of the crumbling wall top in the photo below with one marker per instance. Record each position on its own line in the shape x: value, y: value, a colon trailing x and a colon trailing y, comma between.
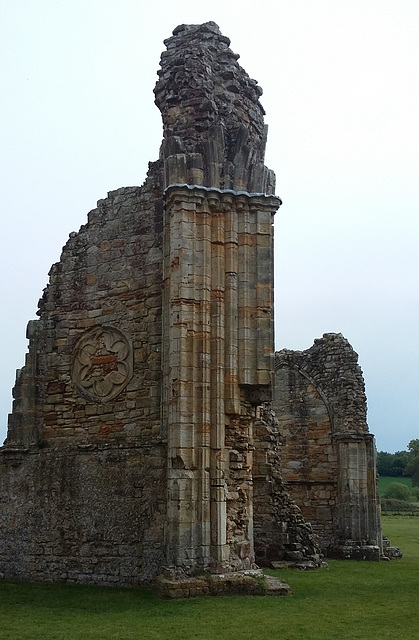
x: 332, y: 365
x: 211, y: 112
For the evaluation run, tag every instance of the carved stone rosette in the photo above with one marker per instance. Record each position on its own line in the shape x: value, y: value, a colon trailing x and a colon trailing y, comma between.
x: 102, y: 363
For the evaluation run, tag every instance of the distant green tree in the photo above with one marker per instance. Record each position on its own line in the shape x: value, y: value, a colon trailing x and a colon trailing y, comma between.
x: 412, y: 468
x: 413, y: 447
x: 392, y: 464
x: 384, y: 463
x: 398, y: 491
x: 400, y: 462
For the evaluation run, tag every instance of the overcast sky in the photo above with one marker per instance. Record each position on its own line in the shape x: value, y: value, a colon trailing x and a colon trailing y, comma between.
x: 341, y: 94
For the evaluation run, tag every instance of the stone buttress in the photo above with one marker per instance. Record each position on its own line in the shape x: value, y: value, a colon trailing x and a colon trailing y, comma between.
x: 218, y: 293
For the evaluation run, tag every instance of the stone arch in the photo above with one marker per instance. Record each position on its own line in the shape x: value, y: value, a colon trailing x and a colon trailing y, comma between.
x: 308, y: 455
x: 328, y: 454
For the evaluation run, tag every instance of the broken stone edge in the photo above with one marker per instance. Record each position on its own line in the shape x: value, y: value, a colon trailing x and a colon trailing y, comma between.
x: 250, y: 583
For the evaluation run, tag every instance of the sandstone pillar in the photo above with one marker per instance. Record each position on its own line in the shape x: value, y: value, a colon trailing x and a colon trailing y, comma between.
x: 218, y: 285
x: 358, y: 521
x: 217, y: 357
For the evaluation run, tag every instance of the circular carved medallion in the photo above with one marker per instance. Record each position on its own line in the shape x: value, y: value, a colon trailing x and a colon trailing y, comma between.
x: 102, y: 363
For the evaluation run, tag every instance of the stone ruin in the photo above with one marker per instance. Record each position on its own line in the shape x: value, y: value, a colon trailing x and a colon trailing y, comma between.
x: 328, y: 455
x: 143, y: 439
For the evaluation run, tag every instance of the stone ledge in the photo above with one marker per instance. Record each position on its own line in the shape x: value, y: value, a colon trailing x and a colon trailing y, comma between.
x: 353, y: 551
x: 302, y: 565
x: 233, y: 192
x: 253, y: 583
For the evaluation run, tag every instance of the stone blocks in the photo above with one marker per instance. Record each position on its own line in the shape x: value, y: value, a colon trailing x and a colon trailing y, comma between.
x: 328, y: 457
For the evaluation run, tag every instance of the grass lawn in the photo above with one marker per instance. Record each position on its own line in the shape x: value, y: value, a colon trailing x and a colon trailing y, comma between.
x: 347, y: 600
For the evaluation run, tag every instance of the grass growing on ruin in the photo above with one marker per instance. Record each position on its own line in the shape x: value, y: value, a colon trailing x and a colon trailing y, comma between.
x: 349, y: 600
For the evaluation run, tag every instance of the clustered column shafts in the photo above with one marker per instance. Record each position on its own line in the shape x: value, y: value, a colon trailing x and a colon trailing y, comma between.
x: 217, y: 303
x: 218, y: 460
x: 357, y: 493
x: 232, y: 395
x: 211, y: 295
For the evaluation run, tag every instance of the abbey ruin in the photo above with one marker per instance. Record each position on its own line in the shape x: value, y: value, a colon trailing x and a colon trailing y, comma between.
x: 153, y: 427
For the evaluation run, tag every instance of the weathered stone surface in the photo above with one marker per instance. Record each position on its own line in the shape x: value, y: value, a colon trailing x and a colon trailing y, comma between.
x: 153, y: 348
x: 214, y: 131
x: 142, y: 437
x: 281, y: 532
x: 389, y: 551
x: 250, y: 583
x: 217, y: 298
x: 328, y: 454
x: 83, y: 473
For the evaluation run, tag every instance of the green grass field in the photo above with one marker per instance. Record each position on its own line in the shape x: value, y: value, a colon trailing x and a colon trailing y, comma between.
x: 384, y: 481
x: 347, y: 600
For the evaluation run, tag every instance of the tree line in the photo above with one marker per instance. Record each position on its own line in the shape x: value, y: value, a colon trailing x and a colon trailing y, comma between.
x: 401, y: 463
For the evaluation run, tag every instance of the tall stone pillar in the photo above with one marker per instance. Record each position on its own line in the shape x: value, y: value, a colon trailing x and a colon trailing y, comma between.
x: 359, y: 534
x: 218, y: 294
x: 217, y: 357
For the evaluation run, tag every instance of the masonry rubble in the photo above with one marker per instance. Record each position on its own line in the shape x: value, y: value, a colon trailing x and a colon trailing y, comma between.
x: 143, y: 441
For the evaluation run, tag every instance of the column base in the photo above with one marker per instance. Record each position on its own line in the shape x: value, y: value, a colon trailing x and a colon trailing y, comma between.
x: 353, y: 550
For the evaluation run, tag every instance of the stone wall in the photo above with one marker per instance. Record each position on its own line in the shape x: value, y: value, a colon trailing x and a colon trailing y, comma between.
x: 142, y: 435
x: 153, y: 348
x: 83, y: 489
x: 328, y: 454
x: 281, y: 532
x: 95, y: 350
x: 87, y: 513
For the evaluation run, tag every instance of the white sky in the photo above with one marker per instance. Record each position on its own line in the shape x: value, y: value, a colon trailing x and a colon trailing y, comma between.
x: 341, y: 93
